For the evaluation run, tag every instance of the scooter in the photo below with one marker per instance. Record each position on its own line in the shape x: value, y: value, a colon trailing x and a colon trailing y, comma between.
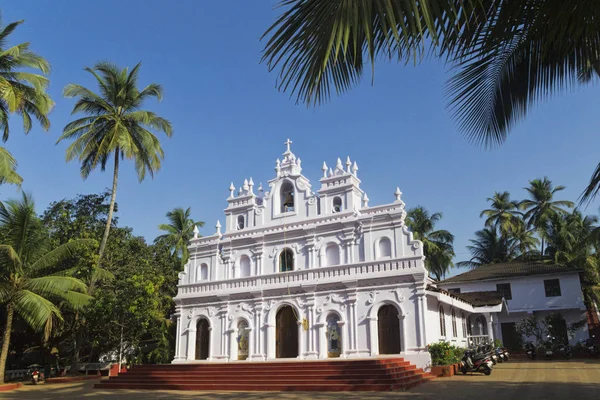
x: 35, y: 375
x: 592, y: 348
x: 472, y: 362
x: 530, y: 350
x: 500, y: 355
x: 565, y: 351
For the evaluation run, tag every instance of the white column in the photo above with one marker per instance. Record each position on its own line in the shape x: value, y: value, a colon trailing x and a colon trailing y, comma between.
x: 344, y: 329
x: 191, y: 343
x: 354, y: 327
x: 270, y: 341
x: 322, y: 341
x: 232, y: 335
x: 490, y: 326
x: 302, y: 339
x: 423, y: 327
x: 178, y: 340
x: 373, y: 336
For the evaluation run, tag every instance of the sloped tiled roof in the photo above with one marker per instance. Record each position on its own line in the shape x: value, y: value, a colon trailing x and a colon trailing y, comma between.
x: 476, y: 299
x: 481, y: 299
x: 510, y: 269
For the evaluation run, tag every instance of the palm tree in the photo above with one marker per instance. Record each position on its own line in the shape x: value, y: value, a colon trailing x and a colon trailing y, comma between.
x: 180, y: 230
x: 541, y: 205
x: 8, y: 166
x: 115, y: 126
x: 506, y: 55
x: 523, y: 240
x: 503, y: 214
x: 488, y: 248
x: 22, y: 92
x: 29, y: 282
x: 437, y: 244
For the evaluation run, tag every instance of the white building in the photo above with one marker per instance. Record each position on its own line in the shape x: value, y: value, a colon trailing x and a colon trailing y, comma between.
x: 312, y: 275
x: 529, y: 288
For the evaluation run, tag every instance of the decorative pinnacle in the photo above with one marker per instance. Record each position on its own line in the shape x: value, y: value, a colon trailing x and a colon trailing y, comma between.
x: 330, y: 172
x: 196, y: 231
x: 365, y: 200
x: 339, y: 164
x: 324, y: 169
x: 299, y: 162
x: 218, y: 226
x: 231, y: 189
x: 260, y: 188
x: 398, y: 194
x: 348, y: 164
x: 277, y: 163
x: 245, y: 185
x: 354, y: 169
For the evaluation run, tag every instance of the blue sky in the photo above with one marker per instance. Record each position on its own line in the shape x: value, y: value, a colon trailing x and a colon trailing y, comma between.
x: 230, y: 122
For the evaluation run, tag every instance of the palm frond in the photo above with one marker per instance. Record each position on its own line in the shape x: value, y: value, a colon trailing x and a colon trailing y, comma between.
x: 35, y: 310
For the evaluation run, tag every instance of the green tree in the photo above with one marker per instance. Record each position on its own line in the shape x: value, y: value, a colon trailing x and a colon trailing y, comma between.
x: 114, y: 126
x: 506, y: 56
x: 541, y: 205
x: 8, y: 168
x: 437, y: 244
x: 489, y: 248
x: 22, y: 92
x: 29, y: 283
x: 180, y: 230
x: 503, y: 214
x: 523, y: 240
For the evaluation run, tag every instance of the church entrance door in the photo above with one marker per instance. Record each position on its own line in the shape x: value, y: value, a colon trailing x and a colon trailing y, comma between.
x: 388, y: 326
x: 286, y: 341
x: 202, y: 339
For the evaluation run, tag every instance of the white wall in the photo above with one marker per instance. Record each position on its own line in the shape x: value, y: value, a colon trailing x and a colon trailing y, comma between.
x: 528, y: 292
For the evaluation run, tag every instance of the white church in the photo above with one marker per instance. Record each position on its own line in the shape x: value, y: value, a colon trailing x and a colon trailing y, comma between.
x: 304, y: 274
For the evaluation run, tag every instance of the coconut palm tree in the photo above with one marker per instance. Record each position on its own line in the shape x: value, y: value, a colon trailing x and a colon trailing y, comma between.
x: 523, y: 240
x: 8, y: 168
x: 22, y: 92
x: 503, y: 213
x: 437, y: 244
x: 180, y: 230
x: 114, y: 126
x: 541, y: 205
x: 506, y: 55
x: 30, y: 283
x: 488, y: 248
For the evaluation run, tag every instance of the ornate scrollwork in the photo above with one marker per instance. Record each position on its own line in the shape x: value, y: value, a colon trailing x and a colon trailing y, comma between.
x: 372, y: 295
x: 275, y: 250
x: 269, y: 304
x: 335, y: 298
x: 245, y: 307
x: 211, y: 311
x: 312, y: 200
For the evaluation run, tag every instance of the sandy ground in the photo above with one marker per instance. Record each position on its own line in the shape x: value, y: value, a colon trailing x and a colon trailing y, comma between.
x: 578, y: 380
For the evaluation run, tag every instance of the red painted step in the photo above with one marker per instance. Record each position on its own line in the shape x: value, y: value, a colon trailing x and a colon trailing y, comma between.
x: 342, y: 375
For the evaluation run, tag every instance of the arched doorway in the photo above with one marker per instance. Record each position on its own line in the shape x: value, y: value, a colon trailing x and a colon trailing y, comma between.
x: 286, y: 340
x: 202, y: 339
x: 388, y: 327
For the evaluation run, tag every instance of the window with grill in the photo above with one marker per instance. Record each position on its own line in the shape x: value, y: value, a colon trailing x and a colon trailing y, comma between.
x: 552, y: 287
x: 454, y: 330
x: 442, y: 322
x: 464, y: 324
x: 454, y: 290
x: 504, y: 289
x: 286, y: 261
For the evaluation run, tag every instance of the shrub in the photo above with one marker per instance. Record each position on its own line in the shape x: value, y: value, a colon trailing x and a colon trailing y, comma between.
x: 443, y: 353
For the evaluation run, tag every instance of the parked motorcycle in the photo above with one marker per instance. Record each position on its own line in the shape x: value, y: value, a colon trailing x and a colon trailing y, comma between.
x: 548, y: 348
x: 565, y: 351
x: 530, y: 350
x: 501, y: 355
x: 592, y: 348
x: 35, y: 374
x: 476, y: 362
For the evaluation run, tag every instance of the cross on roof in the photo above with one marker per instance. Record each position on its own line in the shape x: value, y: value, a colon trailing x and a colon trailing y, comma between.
x: 287, y: 143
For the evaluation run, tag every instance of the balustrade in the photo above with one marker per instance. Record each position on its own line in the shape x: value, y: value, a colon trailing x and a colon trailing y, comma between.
x: 382, y: 268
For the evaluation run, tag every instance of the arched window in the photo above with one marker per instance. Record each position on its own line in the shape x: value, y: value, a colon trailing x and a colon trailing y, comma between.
x: 464, y: 324
x: 245, y: 269
x: 337, y: 204
x: 203, y: 272
x: 385, y: 247
x: 454, y: 329
x: 242, y: 339
x: 286, y: 260
x: 332, y: 254
x: 240, y: 222
x: 442, y: 322
x: 287, y: 197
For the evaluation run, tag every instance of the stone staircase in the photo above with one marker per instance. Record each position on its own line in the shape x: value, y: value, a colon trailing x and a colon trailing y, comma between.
x: 344, y: 375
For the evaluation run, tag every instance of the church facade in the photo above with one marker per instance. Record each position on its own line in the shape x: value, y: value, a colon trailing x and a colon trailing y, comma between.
x: 314, y: 274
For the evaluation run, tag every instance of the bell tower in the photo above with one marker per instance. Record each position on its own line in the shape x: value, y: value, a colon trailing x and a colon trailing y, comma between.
x: 340, y: 190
